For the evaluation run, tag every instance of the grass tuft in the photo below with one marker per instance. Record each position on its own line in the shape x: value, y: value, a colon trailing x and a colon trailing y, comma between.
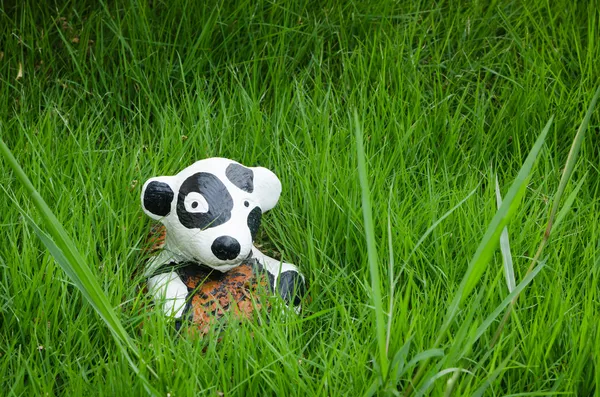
x: 65, y: 252
x: 380, y: 326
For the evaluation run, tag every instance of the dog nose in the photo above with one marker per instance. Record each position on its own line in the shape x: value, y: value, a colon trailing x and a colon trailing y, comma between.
x: 225, y: 248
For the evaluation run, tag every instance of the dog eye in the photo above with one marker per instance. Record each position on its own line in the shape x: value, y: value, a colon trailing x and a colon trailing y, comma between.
x: 195, y: 202
x: 246, y: 204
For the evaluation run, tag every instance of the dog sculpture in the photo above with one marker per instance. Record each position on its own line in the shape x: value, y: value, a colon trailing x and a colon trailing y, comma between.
x: 211, y: 212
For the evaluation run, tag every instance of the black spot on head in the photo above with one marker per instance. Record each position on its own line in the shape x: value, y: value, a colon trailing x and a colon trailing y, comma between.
x: 291, y: 287
x: 158, y: 197
x: 216, y: 195
x: 241, y: 177
x: 254, y: 221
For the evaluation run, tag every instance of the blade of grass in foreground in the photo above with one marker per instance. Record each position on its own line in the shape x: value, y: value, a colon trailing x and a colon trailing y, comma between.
x: 572, y: 158
x: 507, y: 261
x: 566, y: 176
x: 564, y: 180
x: 491, y: 237
x: 371, y: 248
x: 71, y: 261
x: 488, y: 243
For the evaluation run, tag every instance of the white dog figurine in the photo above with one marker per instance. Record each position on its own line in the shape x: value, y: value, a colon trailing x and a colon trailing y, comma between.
x: 211, y: 211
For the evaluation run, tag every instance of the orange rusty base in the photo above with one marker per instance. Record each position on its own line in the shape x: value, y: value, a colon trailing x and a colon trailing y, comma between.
x: 212, y: 293
x: 240, y: 291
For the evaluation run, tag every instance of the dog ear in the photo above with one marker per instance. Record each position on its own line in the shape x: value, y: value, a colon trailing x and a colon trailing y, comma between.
x: 267, y: 188
x: 157, y: 196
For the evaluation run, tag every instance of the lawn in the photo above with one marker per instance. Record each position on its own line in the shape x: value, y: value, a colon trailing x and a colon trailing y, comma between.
x: 444, y: 97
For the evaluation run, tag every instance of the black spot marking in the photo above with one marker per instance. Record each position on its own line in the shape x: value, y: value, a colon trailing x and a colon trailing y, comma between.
x: 241, y: 177
x: 291, y: 287
x: 246, y: 204
x: 158, y: 197
x: 216, y: 195
x: 225, y: 248
x: 254, y: 221
x: 260, y: 270
x: 177, y: 325
x: 187, y: 316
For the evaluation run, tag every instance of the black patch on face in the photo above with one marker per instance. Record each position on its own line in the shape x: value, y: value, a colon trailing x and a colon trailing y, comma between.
x: 241, y: 177
x: 254, y: 221
x: 158, y: 197
x: 291, y: 287
x: 216, y: 195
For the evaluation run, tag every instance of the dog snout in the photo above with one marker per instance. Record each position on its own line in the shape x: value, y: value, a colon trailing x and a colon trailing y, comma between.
x: 226, y: 248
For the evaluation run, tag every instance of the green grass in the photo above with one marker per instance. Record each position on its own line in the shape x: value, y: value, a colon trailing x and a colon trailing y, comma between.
x: 447, y: 96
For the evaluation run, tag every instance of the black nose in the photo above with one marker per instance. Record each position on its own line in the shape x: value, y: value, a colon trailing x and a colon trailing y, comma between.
x: 225, y: 248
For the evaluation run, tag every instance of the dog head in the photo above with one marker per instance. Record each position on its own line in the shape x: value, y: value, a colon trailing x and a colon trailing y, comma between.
x: 212, y: 209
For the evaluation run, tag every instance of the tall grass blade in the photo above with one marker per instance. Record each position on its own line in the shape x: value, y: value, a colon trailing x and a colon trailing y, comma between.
x: 399, y: 361
x: 566, y: 176
x: 568, y: 203
x: 371, y: 248
x: 431, y: 381
x: 63, y: 262
x: 451, y: 383
x: 571, y: 161
x: 424, y: 356
x: 507, y: 260
x: 506, y: 301
x: 489, y: 242
x: 71, y: 261
x: 492, y: 235
x: 390, y: 273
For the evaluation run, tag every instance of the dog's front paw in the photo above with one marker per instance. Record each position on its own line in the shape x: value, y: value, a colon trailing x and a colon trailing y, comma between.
x: 291, y: 287
x: 186, y: 317
x: 169, y: 293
